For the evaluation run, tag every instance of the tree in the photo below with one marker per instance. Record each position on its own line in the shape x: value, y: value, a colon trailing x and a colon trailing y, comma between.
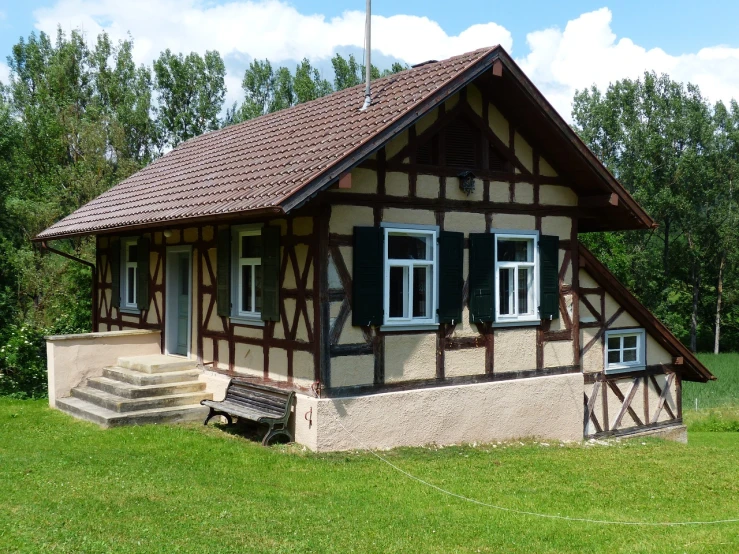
x: 191, y: 91
x: 673, y: 152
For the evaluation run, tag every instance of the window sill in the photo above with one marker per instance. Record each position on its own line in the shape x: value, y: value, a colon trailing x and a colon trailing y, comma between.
x: 250, y: 321
x: 130, y: 311
x: 517, y: 323
x: 401, y: 327
x: 625, y: 369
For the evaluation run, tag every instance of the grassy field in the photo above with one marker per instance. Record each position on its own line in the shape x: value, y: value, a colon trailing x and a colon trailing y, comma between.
x: 715, y: 394
x: 68, y: 486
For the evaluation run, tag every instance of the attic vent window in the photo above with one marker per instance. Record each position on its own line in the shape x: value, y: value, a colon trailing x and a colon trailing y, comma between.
x: 462, y: 144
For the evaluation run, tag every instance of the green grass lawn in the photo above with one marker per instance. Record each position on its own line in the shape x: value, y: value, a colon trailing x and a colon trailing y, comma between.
x: 719, y: 393
x: 68, y: 486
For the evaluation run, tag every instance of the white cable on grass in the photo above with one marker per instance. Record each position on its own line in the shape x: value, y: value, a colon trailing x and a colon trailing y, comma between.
x: 524, y: 512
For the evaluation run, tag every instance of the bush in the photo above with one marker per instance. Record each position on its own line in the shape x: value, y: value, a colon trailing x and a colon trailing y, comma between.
x: 23, y: 362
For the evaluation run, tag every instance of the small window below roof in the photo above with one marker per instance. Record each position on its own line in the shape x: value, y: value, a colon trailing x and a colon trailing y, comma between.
x: 625, y: 350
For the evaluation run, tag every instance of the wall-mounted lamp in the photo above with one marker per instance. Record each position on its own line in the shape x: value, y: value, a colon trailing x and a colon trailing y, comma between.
x: 167, y: 233
x: 467, y: 182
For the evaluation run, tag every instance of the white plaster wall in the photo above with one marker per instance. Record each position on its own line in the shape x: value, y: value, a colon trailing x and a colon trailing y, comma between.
x: 427, y: 186
x: 592, y: 361
x: 364, y: 181
x: 303, y: 368
x: 71, y: 359
x: 558, y: 353
x: 352, y: 370
x: 514, y: 349
x: 656, y: 354
x: 465, y: 361
x: 410, y: 357
x: 344, y: 218
x: 555, y: 195
x: 500, y: 191
x: 544, y: 407
x: 400, y: 215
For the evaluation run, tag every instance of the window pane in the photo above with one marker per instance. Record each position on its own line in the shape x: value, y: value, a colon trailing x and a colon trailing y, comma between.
x: 402, y: 247
x: 420, y: 292
x: 184, y: 277
x: 130, y: 285
x: 523, y: 290
x: 614, y: 343
x: 511, y: 250
x: 258, y: 288
x: 630, y: 355
x: 133, y: 253
x: 246, y: 288
x: 614, y: 357
x: 397, y: 291
x: 630, y: 341
x: 505, y: 291
x: 251, y: 246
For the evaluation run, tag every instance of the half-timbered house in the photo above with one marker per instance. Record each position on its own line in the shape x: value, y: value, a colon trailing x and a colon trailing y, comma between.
x: 412, y: 271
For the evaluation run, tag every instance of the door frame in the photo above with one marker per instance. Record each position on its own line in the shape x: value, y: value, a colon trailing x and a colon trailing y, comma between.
x: 170, y: 307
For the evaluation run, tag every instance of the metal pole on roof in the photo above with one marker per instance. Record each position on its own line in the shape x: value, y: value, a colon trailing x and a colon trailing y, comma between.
x: 367, y: 57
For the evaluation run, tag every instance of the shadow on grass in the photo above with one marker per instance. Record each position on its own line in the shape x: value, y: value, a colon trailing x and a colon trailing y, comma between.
x: 249, y: 430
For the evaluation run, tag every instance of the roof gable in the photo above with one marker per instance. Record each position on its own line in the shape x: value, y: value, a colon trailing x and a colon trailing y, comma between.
x: 277, y: 162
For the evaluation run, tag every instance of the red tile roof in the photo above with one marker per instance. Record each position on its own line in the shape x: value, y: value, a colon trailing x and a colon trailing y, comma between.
x: 261, y: 163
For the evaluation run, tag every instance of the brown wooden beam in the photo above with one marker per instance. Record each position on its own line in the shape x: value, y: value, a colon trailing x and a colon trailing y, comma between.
x: 599, y: 201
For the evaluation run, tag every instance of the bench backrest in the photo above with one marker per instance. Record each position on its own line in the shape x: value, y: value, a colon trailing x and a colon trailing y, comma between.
x: 272, y: 402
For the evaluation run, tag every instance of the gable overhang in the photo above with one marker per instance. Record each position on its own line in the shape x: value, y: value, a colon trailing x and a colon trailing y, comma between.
x: 691, y: 369
x: 605, y: 204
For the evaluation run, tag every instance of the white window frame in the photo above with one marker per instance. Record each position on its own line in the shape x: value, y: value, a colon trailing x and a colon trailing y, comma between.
x: 237, y: 314
x: 125, y: 266
x: 641, y: 350
x: 533, y: 316
x: 432, y: 234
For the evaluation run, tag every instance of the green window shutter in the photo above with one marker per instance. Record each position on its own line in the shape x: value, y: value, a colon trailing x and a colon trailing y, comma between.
x: 482, y: 277
x: 270, y: 273
x: 367, y: 274
x: 548, y: 277
x: 223, y: 273
x: 142, y: 274
x: 115, y: 273
x: 451, y: 276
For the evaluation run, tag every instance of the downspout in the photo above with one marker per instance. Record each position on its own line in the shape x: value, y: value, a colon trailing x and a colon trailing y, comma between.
x: 93, y: 269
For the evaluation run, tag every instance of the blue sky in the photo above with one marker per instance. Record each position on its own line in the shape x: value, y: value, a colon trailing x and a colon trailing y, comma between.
x: 562, y: 45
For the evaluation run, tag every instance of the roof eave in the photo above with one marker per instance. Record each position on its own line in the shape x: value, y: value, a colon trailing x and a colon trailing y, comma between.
x: 163, y: 224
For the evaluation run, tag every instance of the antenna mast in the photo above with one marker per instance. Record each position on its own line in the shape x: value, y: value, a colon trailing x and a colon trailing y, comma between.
x: 367, y: 57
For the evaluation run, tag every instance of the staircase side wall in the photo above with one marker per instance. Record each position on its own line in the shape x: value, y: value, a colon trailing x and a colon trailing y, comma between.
x: 72, y: 359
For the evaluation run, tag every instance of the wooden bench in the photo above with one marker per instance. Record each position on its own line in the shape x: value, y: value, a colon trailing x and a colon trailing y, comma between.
x: 257, y: 403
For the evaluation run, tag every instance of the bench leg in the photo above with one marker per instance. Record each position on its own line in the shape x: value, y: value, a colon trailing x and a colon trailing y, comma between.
x: 213, y: 412
x: 272, y: 433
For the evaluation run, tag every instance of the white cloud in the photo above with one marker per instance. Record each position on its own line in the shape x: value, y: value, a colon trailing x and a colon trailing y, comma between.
x: 259, y: 29
x: 558, y: 61
x: 587, y: 52
x: 4, y: 74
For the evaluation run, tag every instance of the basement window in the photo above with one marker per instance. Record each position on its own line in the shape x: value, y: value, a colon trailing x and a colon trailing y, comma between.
x: 625, y: 350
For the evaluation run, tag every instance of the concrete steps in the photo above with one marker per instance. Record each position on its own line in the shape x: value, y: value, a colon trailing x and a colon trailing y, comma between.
x: 139, y: 390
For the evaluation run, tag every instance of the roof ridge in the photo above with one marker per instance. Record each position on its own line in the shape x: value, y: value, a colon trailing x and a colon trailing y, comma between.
x: 346, y: 92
